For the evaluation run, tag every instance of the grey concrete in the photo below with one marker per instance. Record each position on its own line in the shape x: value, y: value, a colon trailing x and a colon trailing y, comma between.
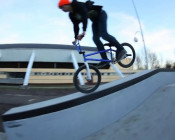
x: 3, y: 136
x: 153, y: 120
x: 87, y: 118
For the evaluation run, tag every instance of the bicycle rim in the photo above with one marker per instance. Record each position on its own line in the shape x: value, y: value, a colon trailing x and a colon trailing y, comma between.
x: 89, y: 85
x: 129, y: 58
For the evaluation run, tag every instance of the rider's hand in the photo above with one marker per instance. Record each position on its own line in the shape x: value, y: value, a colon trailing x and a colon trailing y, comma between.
x: 75, y: 41
x: 79, y: 37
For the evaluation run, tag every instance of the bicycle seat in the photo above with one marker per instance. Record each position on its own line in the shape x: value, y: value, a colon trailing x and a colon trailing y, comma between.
x: 108, y: 44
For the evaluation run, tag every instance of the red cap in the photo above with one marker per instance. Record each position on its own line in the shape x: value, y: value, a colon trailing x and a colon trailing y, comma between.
x: 63, y: 2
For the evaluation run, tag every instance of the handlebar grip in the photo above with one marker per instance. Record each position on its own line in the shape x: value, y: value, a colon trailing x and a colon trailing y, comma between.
x: 73, y: 43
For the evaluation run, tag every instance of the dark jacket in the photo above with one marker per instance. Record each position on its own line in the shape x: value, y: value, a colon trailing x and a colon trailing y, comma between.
x: 81, y: 13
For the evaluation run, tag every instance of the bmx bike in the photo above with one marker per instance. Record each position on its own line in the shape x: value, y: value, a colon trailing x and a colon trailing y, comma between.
x: 87, y: 78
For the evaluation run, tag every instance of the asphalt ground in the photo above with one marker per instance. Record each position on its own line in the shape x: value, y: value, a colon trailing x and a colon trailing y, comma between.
x: 14, y: 96
x: 154, y: 119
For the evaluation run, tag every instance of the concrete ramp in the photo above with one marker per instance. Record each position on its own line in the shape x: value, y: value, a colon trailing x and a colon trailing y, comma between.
x: 152, y: 120
x: 78, y: 116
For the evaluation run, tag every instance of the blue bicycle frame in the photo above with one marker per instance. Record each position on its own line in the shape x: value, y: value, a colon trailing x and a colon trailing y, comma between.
x: 78, y: 47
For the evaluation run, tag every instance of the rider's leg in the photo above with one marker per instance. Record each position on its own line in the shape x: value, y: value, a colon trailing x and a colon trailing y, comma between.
x: 103, y: 31
x: 96, y: 39
x: 99, y: 44
x: 102, y: 24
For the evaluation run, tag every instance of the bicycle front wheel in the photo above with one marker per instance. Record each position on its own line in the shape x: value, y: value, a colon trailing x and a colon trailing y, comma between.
x: 130, y: 56
x: 81, y: 81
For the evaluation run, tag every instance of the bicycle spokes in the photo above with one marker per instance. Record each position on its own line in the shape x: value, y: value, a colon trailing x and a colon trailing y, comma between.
x: 90, y: 83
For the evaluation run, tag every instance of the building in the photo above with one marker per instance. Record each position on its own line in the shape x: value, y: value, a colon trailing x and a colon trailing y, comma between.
x: 46, y: 64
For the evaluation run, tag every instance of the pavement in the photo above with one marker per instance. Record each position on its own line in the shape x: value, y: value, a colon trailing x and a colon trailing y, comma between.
x: 3, y: 136
x: 13, y: 96
x: 153, y: 120
x: 17, y: 96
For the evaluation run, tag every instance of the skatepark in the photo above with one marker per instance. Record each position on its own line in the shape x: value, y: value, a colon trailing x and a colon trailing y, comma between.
x: 135, y: 107
x: 138, y: 106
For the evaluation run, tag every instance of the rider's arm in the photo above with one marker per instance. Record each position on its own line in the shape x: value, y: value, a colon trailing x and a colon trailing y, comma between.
x: 75, y: 26
x: 76, y: 29
x: 81, y: 9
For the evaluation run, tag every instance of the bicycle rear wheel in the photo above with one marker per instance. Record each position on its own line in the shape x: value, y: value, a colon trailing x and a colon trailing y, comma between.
x: 88, y: 85
x: 129, y: 58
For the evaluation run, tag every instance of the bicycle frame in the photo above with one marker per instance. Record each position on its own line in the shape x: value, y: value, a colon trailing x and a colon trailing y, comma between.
x: 78, y: 47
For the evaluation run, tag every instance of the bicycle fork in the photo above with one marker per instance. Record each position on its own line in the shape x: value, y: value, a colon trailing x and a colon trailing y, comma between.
x: 88, y: 74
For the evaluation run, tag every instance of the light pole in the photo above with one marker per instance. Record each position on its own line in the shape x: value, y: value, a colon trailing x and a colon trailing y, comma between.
x: 135, y: 38
x: 141, y: 31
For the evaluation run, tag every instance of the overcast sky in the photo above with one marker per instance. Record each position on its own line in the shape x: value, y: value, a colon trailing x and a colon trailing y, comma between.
x: 40, y: 21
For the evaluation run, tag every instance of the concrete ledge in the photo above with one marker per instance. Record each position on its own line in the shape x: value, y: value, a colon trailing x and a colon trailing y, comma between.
x: 152, y: 120
x: 77, y: 116
x: 3, y: 136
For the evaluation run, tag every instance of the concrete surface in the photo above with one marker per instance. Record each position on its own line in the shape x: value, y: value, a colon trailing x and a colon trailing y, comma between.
x: 153, y: 120
x: 3, y: 136
x: 143, y: 110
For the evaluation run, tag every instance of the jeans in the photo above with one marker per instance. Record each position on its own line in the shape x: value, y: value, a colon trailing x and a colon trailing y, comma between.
x: 99, y: 29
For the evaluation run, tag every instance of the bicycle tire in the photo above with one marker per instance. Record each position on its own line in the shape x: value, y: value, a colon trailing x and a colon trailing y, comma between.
x: 132, y: 55
x: 91, y: 85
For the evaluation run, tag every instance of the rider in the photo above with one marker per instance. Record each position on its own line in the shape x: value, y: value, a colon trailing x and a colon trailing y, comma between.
x: 79, y: 12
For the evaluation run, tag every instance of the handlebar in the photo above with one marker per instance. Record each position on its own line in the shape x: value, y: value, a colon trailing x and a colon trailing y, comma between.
x: 78, y: 47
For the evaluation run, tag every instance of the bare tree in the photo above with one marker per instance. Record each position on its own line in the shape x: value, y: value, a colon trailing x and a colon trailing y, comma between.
x: 173, y: 67
x: 154, y: 61
x: 161, y: 60
x: 139, y: 63
x: 168, y: 65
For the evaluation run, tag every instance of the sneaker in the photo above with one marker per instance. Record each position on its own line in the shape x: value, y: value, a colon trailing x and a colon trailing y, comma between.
x: 117, y: 53
x: 120, y: 55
